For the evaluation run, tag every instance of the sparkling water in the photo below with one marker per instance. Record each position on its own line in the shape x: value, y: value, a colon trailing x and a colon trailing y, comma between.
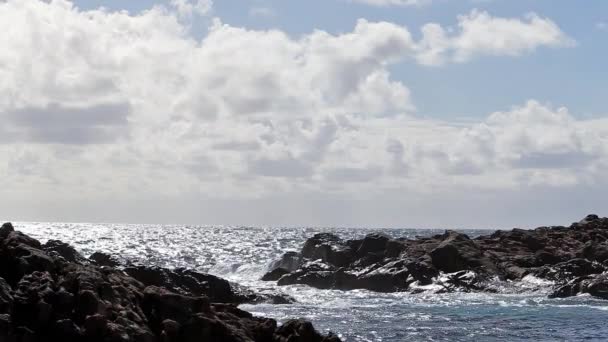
x: 520, y: 311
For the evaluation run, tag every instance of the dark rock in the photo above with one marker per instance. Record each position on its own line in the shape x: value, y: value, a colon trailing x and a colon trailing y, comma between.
x: 6, y: 298
x: 50, y: 293
x: 187, y: 282
x: 572, y: 257
x: 373, y: 243
x: 328, y: 248
x: 597, y: 286
x: 456, y: 253
x: 275, y: 274
x: 64, y: 250
x: 66, y: 330
x: 103, y: 259
x: 87, y: 303
x: 595, y: 251
x: 6, y: 229
x: 290, y: 261
x: 301, y: 331
x: 565, y: 271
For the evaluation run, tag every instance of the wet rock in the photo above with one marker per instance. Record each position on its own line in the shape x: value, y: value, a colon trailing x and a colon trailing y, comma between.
x: 64, y: 250
x: 6, y: 229
x: 373, y: 243
x: 565, y: 271
x: 103, y: 259
x: 595, y: 251
x: 6, y: 297
x: 456, y: 253
x: 328, y: 248
x: 290, y: 261
x: 597, y: 286
x: 275, y: 274
x: 188, y: 283
x: 301, y: 331
x: 571, y: 257
x: 66, y: 330
x: 48, y: 293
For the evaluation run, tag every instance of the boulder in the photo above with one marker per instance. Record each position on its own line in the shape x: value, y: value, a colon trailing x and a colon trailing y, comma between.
x: 6, y: 229
x: 103, y: 259
x: 275, y: 274
x: 49, y: 293
x: 64, y: 250
x: 373, y: 243
x: 456, y: 253
x: 328, y: 248
x: 301, y: 331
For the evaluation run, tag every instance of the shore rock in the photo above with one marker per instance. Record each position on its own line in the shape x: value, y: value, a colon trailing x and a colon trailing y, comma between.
x: 574, y: 258
x: 51, y: 293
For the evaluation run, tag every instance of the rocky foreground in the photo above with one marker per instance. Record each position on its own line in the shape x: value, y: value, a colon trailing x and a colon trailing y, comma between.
x: 51, y: 293
x: 574, y: 259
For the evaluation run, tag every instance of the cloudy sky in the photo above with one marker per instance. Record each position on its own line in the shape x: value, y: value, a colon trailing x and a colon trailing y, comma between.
x: 408, y: 113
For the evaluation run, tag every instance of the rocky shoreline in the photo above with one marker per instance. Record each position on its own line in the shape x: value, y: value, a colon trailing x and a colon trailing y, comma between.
x: 574, y: 259
x: 49, y: 292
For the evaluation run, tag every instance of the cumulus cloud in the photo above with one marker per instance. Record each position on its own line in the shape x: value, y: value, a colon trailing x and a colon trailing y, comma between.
x: 479, y: 34
x: 186, y: 8
x: 135, y: 107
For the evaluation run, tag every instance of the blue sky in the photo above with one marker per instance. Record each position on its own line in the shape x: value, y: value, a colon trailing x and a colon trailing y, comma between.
x: 471, y: 113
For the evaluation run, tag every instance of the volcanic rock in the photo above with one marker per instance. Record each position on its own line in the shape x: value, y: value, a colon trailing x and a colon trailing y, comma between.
x: 51, y: 293
x: 574, y: 258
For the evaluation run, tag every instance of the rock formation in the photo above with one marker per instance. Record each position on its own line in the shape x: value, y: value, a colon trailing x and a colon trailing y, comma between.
x: 574, y: 258
x: 51, y: 293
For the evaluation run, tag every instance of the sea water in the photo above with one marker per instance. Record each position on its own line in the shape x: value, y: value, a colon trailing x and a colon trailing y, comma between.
x: 520, y: 311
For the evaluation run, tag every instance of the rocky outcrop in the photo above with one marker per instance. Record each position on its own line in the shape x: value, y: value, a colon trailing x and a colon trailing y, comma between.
x: 574, y: 258
x: 51, y: 293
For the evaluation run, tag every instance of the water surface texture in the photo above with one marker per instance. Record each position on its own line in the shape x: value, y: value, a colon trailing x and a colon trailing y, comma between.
x: 242, y: 254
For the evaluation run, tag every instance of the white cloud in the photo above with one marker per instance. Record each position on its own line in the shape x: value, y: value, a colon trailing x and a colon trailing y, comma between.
x: 602, y: 26
x: 109, y: 105
x: 186, y: 8
x: 480, y: 34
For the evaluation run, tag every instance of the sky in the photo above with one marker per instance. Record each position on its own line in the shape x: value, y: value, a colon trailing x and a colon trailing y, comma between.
x: 384, y: 113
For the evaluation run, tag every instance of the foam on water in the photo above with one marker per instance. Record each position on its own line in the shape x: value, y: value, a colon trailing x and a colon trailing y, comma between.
x: 519, y: 311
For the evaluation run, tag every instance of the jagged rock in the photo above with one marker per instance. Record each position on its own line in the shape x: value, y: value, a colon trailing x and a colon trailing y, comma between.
x: 565, y: 271
x: 455, y: 253
x: 6, y: 297
x: 328, y: 248
x: 290, y: 261
x: 301, y: 331
x: 573, y: 257
x: 373, y: 243
x: 48, y: 293
x: 64, y: 250
x: 192, y: 283
x: 103, y: 259
x: 6, y: 229
x: 275, y: 274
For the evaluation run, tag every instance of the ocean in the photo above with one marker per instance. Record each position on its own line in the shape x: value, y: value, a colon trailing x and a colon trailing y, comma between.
x: 520, y: 311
